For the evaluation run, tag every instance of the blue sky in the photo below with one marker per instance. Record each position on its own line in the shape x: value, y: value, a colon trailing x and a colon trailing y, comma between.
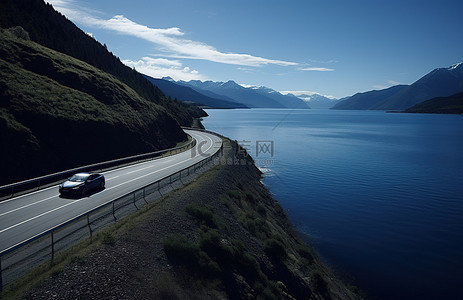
x: 335, y: 48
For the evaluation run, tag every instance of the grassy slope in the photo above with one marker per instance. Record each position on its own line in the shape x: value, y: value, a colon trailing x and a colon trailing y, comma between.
x: 57, y: 112
x: 51, y: 29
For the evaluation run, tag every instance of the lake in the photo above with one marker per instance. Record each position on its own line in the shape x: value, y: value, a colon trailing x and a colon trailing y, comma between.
x: 379, y: 195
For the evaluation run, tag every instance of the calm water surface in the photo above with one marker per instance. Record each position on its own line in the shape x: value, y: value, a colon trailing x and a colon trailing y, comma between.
x: 379, y: 195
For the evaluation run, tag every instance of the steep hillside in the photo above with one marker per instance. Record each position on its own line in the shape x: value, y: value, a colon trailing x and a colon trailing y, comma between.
x: 440, y: 105
x: 49, y: 28
x: 57, y: 112
x: 368, y: 100
x: 441, y: 82
x: 184, y: 93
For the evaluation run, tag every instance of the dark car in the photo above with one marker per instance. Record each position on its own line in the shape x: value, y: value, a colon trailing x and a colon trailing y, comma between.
x: 81, y: 184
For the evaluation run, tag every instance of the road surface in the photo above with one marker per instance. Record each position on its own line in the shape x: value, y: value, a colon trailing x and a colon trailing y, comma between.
x: 25, y: 216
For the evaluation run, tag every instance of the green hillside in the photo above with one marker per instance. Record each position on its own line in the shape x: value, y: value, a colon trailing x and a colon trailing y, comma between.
x: 57, y: 112
x: 51, y: 29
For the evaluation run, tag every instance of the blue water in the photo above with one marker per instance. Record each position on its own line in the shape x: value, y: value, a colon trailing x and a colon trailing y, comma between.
x: 380, y: 195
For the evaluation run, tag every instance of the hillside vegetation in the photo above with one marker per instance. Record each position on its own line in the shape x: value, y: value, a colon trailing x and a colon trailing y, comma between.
x: 57, y: 112
x: 51, y: 29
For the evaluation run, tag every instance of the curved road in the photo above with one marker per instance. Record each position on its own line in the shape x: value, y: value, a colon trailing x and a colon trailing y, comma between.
x: 28, y: 215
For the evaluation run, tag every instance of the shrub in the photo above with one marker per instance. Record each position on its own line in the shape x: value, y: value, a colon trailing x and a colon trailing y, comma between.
x: 108, y: 238
x: 318, y: 282
x: 250, y: 198
x: 307, y: 254
x: 248, y: 265
x: 234, y: 194
x: 208, y: 266
x: 19, y: 32
x: 180, y: 248
x: 261, y: 210
x: 210, y: 242
x: 202, y: 215
x: 275, y: 249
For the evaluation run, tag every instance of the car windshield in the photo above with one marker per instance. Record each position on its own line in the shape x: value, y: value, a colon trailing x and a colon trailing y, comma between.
x: 79, y: 178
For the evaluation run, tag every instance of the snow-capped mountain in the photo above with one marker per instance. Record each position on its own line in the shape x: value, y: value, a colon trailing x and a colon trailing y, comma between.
x: 441, y: 82
x: 315, y: 100
x: 257, y: 97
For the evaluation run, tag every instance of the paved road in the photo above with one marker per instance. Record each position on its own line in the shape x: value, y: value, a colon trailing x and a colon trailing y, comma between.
x: 28, y: 215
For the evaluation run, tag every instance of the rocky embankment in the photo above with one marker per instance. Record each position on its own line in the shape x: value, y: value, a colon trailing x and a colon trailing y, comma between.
x: 221, y: 236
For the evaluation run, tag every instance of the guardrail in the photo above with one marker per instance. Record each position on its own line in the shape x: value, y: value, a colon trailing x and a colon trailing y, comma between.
x: 13, y: 189
x: 22, y: 257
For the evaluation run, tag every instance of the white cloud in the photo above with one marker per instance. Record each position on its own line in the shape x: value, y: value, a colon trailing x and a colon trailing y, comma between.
x: 167, y: 40
x: 380, y: 86
x: 161, y: 67
x: 384, y: 86
x: 316, y: 69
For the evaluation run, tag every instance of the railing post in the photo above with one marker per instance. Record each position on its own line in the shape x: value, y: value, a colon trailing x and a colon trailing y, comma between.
x: 144, y: 195
x: 89, y: 227
x: 1, y: 276
x: 52, y: 247
x: 114, y: 214
x: 134, y: 199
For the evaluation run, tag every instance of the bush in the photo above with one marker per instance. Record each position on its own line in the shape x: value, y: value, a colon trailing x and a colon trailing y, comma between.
x: 210, y: 242
x: 248, y: 265
x: 108, y: 238
x: 234, y: 194
x: 180, y: 248
x: 202, y: 215
x: 275, y: 249
x: 307, y: 254
x: 250, y: 198
x: 19, y: 32
x: 261, y: 210
x: 318, y: 282
x: 208, y: 266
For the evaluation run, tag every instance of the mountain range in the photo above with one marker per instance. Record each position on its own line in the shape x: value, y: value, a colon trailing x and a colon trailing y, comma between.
x: 188, y: 94
x: 441, y: 82
x: 317, y: 101
x: 252, y: 97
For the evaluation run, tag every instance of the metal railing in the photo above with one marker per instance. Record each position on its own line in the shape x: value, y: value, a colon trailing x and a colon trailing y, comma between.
x: 22, y: 257
x: 14, y: 189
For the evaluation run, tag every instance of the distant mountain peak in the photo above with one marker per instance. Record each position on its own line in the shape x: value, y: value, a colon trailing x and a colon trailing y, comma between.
x: 455, y: 66
x: 168, y: 78
x: 231, y: 83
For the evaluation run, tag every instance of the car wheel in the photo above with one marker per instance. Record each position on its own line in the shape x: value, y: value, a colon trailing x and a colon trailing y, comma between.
x: 102, y: 184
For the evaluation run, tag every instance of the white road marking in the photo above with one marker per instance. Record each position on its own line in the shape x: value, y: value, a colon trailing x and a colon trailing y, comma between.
x: 28, y: 194
x: 59, y: 207
x: 38, y: 216
x: 30, y: 204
